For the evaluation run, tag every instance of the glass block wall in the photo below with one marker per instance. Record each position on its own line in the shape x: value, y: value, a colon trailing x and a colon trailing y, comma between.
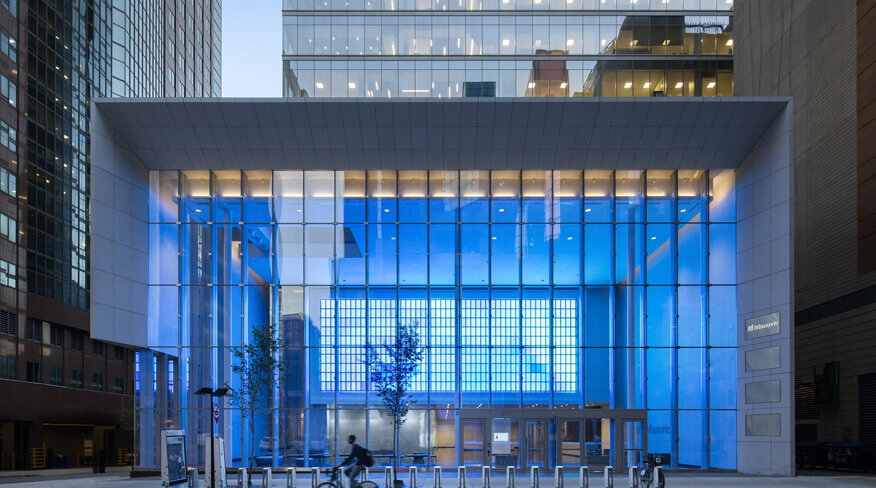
x: 602, y: 289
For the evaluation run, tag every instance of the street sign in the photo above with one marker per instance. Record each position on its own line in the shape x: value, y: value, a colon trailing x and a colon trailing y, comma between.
x: 216, y: 412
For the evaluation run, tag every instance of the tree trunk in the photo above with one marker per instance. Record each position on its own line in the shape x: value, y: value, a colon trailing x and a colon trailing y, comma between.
x: 394, y: 452
x: 251, y: 442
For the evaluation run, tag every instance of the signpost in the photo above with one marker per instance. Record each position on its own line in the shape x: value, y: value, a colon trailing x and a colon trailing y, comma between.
x: 173, y: 457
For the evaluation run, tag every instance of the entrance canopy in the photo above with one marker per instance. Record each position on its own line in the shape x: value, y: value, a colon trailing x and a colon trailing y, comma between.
x: 701, y: 133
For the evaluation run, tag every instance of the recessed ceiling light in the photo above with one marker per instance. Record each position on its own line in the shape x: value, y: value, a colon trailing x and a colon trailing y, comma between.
x: 563, y: 84
x: 628, y: 84
x: 666, y: 42
x: 711, y: 84
x: 506, y: 42
x: 570, y: 42
x: 647, y: 84
x: 351, y: 84
x: 531, y: 84
x: 320, y: 85
x: 679, y: 85
x: 730, y: 42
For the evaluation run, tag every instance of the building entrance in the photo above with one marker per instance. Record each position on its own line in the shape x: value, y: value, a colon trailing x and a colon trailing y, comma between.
x: 546, y: 438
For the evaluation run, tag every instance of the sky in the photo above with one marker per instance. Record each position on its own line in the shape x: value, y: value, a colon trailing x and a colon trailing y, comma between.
x: 252, y: 48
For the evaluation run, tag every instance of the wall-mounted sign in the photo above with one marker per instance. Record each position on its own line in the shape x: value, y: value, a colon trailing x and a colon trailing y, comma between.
x: 765, y: 325
x: 173, y: 457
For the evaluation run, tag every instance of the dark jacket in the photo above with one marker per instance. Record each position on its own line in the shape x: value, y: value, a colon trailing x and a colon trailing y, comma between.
x: 358, y: 453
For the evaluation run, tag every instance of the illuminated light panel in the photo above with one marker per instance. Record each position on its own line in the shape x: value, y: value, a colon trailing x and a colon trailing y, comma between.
x: 711, y: 84
x: 628, y: 84
x: 679, y: 85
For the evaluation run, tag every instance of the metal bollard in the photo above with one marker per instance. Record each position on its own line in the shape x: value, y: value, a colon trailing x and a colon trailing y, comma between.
x: 267, y: 477
x: 436, y: 477
x: 290, y: 477
x: 509, y: 473
x: 633, y: 477
x: 657, y: 471
x: 314, y: 477
x: 389, y: 477
x: 559, y: 482
x: 242, y: 477
x: 192, y: 476
x: 414, y: 483
x: 460, y: 476
x: 485, y: 477
x: 533, y: 477
x: 608, y: 477
x: 585, y: 477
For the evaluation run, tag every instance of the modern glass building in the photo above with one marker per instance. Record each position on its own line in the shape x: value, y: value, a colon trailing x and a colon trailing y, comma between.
x: 588, y: 292
x: 578, y: 303
x: 507, y: 48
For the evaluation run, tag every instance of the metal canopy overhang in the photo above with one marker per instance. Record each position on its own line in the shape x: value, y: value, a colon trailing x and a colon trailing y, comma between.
x: 497, y: 133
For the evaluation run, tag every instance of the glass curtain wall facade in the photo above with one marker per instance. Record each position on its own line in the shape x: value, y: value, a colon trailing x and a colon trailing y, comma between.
x: 507, y: 48
x: 569, y: 291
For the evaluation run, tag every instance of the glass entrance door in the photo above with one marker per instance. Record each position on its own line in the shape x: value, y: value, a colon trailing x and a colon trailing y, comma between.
x: 473, y: 435
x: 536, y: 443
x: 598, y: 434
x: 634, y: 442
x: 569, y: 436
x: 505, y: 442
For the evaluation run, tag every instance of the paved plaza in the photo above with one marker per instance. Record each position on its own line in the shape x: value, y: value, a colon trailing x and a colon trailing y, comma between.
x: 808, y: 479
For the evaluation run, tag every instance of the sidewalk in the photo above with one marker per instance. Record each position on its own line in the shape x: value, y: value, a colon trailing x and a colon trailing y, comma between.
x: 810, y: 479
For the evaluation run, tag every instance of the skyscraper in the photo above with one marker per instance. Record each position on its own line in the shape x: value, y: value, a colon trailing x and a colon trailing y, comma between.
x: 56, y: 58
x: 541, y: 48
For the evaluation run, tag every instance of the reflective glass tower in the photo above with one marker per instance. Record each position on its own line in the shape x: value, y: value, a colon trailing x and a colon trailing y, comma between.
x: 507, y: 48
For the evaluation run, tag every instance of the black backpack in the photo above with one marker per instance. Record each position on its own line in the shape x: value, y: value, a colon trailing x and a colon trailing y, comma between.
x: 369, y: 459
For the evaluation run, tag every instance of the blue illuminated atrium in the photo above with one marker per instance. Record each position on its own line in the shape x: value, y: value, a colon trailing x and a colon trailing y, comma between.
x: 569, y: 312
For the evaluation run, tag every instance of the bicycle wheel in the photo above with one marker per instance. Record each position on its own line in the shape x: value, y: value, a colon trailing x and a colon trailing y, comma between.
x: 368, y: 484
x: 328, y: 484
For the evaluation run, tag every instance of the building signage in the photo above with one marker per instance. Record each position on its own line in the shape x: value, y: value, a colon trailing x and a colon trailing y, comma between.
x: 765, y: 325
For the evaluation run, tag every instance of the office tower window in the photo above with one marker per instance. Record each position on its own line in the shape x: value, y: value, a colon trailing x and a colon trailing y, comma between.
x: 8, y: 274
x: 8, y: 228
x: 8, y: 90
x: 8, y: 136
x: 34, y: 330
x: 56, y: 375
x: 57, y: 333
x: 77, y: 340
x: 8, y: 181
x: 119, y: 385
x: 8, y: 368
x: 119, y: 353
x: 98, y: 348
x: 8, y: 323
x: 11, y: 6
x: 8, y: 45
x: 76, y: 378
x: 34, y: 375
x: 97, y: 381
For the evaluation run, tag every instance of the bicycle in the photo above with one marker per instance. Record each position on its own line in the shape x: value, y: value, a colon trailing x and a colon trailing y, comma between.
x: 648, y: 478
x: 337, y: 482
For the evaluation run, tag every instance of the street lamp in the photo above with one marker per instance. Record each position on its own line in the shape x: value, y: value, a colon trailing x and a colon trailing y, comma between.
x: 218, y: 392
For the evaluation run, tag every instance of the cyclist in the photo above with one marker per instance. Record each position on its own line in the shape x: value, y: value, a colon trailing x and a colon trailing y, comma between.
x: 359, y: 454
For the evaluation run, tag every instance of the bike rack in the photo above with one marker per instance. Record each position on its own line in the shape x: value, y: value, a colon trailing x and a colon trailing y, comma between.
x: 608, y: 477
x: 192, y: 478
x: 585, y: 477
x: 657, y: 470
x: 290, y: 477
x: 267, y: 477
x: 633, y: 477
x: 243, y: 477
x: 485, y: 477
x: 436, y: 477
x: 559, y: 482
x: 460, y: 476
x: 314, y: 477
x: 389, y: 477
x: 414, y: 483
x: 509, y: 473
x: 534, y: 481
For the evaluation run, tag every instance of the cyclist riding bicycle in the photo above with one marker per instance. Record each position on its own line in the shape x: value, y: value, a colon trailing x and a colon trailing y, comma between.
x: 360, y: 455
